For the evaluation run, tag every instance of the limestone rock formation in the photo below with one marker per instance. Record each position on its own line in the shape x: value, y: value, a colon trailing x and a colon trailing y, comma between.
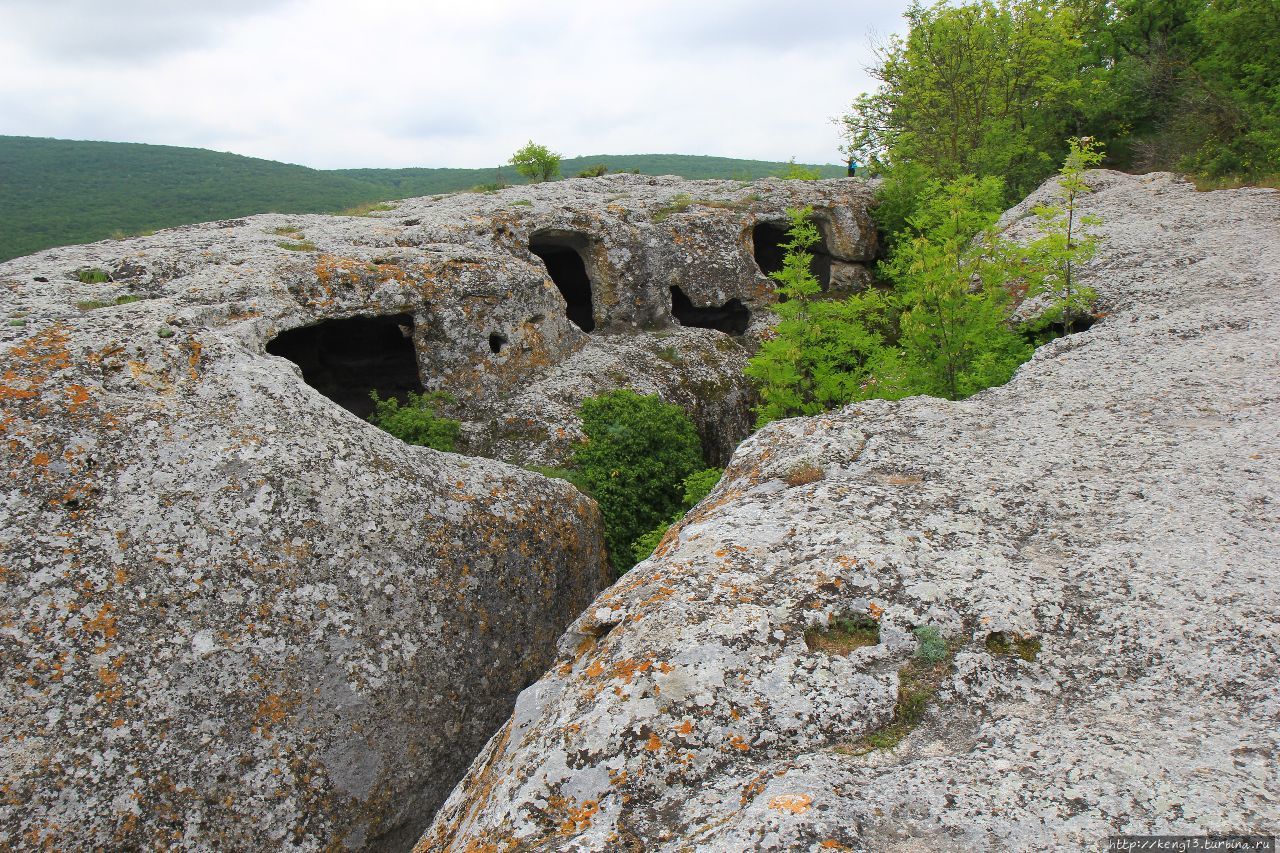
x: 233, y: 615
x: 1098, y: 539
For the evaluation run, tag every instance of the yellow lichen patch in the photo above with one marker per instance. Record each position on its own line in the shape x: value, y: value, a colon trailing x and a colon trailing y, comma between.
x: 596, y: 669
x: 794, y: 803
x: 654, y: 743
x: 874, y: 610
x: 77, y: 395
x: 579, y: 819
x: 737, y: 742
x: 832, y: 844
x: 271, y: 712
x: 104, y: 623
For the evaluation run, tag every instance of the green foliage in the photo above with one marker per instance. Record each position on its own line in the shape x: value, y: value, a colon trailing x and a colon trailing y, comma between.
x: 57, y: 192
x: 637, y: 454
x: 932, y: 648
x: 954, y: 339
x: 95, y: 304
x: 416, y: 422
x: 594, y: 171
x: 991, y: 87
x: 1065, y: 241
x: 696, y: 487
x: 536, y: 162
x: 941, y: 330
x: 797, y: 172
x: 822, y: 352
x: 978, y: 88
x: 92, y: 275
x: 679, y: 203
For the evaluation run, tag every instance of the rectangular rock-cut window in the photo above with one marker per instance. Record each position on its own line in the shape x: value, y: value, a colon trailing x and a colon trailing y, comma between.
x: 346, y: 359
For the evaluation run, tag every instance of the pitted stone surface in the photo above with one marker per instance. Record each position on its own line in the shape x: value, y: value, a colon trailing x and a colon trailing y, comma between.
x: 1117, y: 501
x: 235, y: 616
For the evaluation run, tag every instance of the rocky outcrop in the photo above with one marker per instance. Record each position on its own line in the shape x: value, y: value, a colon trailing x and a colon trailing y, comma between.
x: 1098, y: 540
x: 234, y: 615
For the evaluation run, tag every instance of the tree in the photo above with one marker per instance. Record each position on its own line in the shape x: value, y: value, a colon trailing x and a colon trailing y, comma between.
x: 951, y: 289
x: 696, y: 487
x: 818, y: 354
x: 1065, y: 240
x: 989, y: 87
x: 638, y: 453
x: 536, y: 162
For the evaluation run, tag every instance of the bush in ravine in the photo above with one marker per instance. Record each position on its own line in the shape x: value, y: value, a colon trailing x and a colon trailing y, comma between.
x: 638, y: 453
x: 415, y: 422
x: 696, y: 487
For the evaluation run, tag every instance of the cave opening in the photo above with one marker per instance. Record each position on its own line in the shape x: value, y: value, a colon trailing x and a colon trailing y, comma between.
x: 732, y: 318
x: 562, y: 254
x: 346, y: 359
x: 1040, y: 334
x: 767, y: 240
x: 497, y: 341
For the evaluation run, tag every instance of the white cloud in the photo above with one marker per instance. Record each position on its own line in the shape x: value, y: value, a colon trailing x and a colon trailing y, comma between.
x: 440, y: 84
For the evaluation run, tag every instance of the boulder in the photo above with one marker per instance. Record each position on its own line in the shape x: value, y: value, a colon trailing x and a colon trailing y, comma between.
x: 235, y: 615
x: 1097, y: 542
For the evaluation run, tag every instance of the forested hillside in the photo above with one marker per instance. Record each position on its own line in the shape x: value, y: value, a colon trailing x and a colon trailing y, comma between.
x: 56, y: 192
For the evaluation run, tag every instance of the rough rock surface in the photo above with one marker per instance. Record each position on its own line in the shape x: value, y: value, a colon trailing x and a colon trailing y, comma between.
x: 1116, y: 501
x: 232, y: 614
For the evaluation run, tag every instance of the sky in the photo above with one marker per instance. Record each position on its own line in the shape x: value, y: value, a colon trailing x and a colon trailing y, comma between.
x: 392, y: 83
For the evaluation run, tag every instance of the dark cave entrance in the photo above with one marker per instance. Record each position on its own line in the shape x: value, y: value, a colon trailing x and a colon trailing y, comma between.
x: 732, y: 318
x: 346, y: 359
x: 767, y: 239
x: 562, y: 254
x: 1038, y: 335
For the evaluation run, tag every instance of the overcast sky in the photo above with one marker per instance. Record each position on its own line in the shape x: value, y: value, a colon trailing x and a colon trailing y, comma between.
x: 339, y: 83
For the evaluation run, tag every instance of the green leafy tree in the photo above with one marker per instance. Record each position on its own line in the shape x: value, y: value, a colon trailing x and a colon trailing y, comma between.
x: 988, y: 87
x: 954, y: 336
x: 638, y: 453
x: 819, y: 353
x: 696, y: 487
x: 1065, y: 241
x: 415, y: 422
x: 536, y: 162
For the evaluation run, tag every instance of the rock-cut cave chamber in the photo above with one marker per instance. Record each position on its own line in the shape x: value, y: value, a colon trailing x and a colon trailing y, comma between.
x: 562, y: 254
x: 767, y: 239
x: 346, y: 359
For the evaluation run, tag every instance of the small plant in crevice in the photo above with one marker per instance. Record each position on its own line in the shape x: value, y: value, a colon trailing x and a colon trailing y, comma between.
x: 918, y: 682
x: 696, y: 487
x: 368, y: 208
x: 417, y: 420
x: 297, y: 246
x: 95, y: 304
x: 844, y: 634
x: 287, y: 231
x: 1000, y: 644
x: 679, y: 203
x: 92, y: 275
x: 1065, y: 243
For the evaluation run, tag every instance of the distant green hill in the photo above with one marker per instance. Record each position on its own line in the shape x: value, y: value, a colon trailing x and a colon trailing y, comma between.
x: 57, y: 192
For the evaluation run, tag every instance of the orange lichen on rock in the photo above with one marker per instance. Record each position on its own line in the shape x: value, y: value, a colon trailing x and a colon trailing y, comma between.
x: 793, y: 803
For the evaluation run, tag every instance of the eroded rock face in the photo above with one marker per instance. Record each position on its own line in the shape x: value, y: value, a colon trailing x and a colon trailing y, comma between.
x: 234, y: 615
x: 1115, y: 502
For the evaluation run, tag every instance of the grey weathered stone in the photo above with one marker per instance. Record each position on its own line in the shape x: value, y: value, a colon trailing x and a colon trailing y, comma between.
x: 232, y: 614
x: 1116, y: 501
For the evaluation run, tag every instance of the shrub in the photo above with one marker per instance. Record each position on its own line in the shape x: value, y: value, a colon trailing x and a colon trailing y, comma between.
x: 637, y: 454
x: 696, y: 487
x: 415, y: 422
x: 932, y: 648
x: 536, y: 162
x: 796, y: 172
x: 596, y: 171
